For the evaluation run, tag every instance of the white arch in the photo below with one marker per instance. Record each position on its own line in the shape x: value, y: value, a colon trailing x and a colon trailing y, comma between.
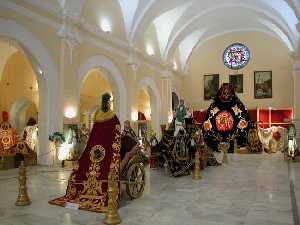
x: 17, y: 109
x: 262, y: 18
x: 185, y: 67
x: 48, y: 81
x: 154, y: 92
x: 115, y: 77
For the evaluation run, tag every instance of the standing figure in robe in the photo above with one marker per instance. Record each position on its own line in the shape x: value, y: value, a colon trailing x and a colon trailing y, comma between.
x: 8, y: 135
x: 180, y: 116
x: 30, y: 134
x: 292, y: 149
x: 87, y: 184
x: 226, y: 119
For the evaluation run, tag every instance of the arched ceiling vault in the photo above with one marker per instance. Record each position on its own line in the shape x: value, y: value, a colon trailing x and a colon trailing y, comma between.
x: 185, y: 24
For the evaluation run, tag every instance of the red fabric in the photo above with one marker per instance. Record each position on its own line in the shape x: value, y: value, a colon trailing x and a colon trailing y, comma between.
x: 252, y: 115
x: 127, y: 144
x: 103, y: 133
x: 106, y: 134
x: 199, y: 116
x: 141, y: 116
x: 277, y: 116
x: 281, y: 116
x: 264, y: 118
x: 5, y: 116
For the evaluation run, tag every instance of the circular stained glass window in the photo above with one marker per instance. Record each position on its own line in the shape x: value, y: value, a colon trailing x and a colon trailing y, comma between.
x: 236, y: 56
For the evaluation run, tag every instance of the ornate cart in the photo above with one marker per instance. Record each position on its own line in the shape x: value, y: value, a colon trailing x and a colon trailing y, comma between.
x: 133, y: 171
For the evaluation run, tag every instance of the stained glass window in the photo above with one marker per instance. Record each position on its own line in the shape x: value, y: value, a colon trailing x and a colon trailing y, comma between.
x: 236, y: 56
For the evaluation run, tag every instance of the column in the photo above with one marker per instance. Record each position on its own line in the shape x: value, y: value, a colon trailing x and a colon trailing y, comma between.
x: 65, y: 102
x: 296, y: 90
x: 166, y: 96
x: 133, y: 66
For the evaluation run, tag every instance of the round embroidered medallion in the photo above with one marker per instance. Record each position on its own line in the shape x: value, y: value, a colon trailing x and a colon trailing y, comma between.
x: 224, y: 121
x: 97, y: 153
x: 6, y: 141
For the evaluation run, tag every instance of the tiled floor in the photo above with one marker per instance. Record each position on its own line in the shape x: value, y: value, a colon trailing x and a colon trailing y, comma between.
x: 250, y: 190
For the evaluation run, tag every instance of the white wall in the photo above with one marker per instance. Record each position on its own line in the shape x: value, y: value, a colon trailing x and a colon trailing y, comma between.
x: 267, y: 53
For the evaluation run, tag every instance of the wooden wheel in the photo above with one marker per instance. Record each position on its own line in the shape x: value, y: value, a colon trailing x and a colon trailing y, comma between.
x: 135, y: 180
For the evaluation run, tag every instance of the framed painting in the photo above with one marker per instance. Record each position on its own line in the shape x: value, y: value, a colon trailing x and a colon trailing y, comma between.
x: 262, y: 84
x: 236, y: 81
x: 211, y: 86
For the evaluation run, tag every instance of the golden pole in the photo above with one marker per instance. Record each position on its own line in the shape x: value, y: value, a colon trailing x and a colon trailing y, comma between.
x: 112, y: 216
x: 23, y: 198
x: 196, y: 174
x: 235, y: 147
x: 225, y: 158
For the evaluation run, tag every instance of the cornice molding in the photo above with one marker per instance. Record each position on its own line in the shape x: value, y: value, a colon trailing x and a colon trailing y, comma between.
x: 25, y: 12
x: 76, y: 30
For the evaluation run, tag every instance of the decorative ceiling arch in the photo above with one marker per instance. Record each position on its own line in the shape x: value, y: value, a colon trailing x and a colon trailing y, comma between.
x: 183, y: 17
x: 165, y: 23
x: 200, y: 42
x: 129, y: 12
x: 148, y: 13
x: 194, y: 24
x: 258, y: 25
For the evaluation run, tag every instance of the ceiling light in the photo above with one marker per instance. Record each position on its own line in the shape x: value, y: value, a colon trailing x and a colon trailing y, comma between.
x: 175, y: 67
x: 150, y: 49
x: 105, y: 25
x: 70, y: 112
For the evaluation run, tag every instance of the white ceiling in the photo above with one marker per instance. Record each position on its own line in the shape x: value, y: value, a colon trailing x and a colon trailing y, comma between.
x: 184, y: 25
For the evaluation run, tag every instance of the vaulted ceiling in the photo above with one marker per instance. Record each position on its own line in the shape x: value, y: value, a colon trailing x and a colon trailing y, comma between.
x: 174, y: 28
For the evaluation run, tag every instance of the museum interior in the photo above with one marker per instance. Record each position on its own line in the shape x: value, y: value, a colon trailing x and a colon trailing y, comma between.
x: 147, y: 112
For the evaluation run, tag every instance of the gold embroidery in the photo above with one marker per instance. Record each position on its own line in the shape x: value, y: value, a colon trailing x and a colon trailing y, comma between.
x: 71, y: 189
x: 115, y: 164
x: 93, y: 196
x: 97, y: 154
x: 103, y: 116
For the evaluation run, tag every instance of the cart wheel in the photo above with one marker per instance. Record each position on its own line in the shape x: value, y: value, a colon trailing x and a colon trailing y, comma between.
x: 135, y: 180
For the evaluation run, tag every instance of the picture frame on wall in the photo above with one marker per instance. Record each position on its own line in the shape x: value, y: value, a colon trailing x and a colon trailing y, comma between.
x: 236, y: 80
x: 211, y: 86
x: 262, y: 84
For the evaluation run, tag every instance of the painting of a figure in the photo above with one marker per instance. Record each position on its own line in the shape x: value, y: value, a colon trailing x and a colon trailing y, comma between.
x: 262, y: 84
x: 211, y: 86
x: 237, y: 82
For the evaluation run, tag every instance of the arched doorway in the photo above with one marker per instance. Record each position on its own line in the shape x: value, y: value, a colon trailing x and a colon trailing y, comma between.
x: 49, y: 100
x: 21, y: 111
x: 144, y: 107
x: 144, y: 113
x: 19, y: 85
x: 152, y: 92
x: 94, y: 85
x: 115, y: 79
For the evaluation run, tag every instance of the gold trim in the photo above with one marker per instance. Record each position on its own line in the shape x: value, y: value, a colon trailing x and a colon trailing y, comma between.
x: 103, y: 116
x: 92, y: 153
